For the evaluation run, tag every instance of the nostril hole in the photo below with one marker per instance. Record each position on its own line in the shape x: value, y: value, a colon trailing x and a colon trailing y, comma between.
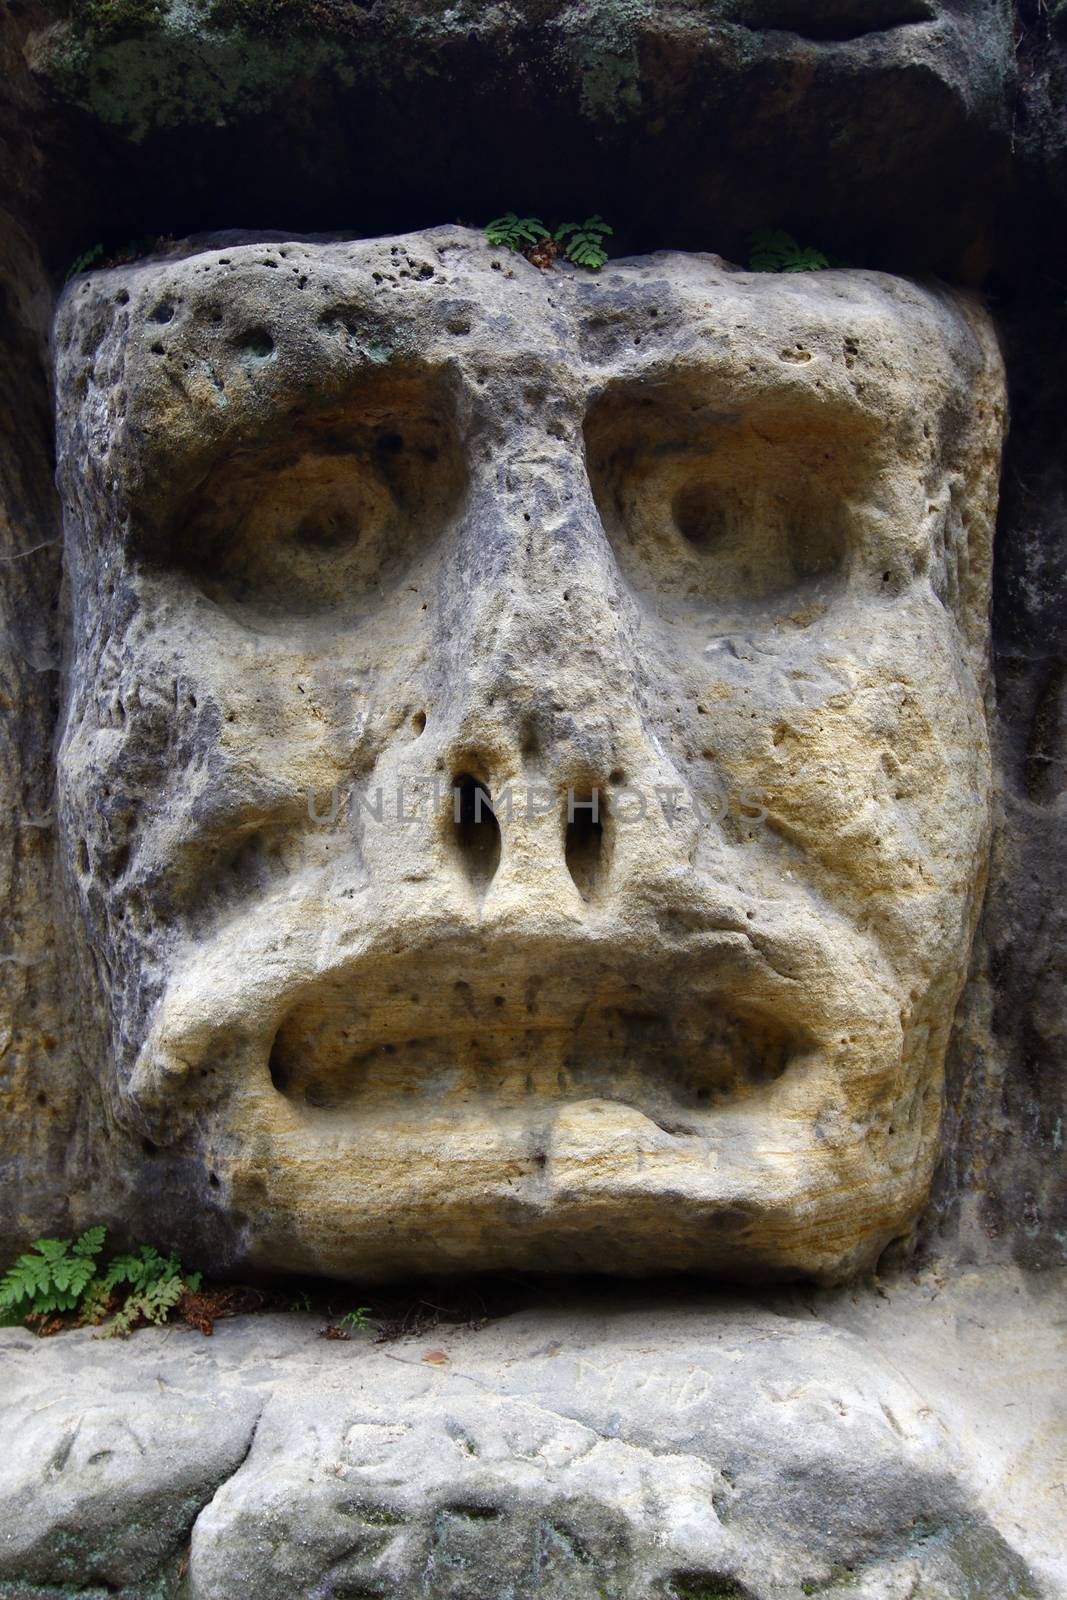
x: 477, y: 831
x: 585, y: 851
x: 281, y: 1072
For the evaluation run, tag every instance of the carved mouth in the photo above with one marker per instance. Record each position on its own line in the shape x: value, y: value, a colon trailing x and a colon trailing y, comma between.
x: 412, y: 1040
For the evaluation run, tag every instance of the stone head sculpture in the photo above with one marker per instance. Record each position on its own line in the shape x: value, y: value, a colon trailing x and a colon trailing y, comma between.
x: 707, y: 549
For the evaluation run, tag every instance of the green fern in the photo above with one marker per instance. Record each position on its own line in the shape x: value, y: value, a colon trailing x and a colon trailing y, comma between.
x: 54, y: 1278
x: 61, y: 1277
x: 83, y: 262
x: 583, y: 242
x: 142, y: 1269
x: 157, y: 1284
x: 358, y: 1320
x: 774, y: 250
x: 153, y: 1303
x: 512, y: 232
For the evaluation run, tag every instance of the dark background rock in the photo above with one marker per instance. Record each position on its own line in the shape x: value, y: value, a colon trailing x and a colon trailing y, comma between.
x: 921, y: 136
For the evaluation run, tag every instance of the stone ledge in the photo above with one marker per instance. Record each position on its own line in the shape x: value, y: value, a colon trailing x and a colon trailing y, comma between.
x: 768, y: 1447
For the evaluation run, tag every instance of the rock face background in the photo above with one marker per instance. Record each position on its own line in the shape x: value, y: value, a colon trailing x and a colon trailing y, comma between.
x: 920, y: 137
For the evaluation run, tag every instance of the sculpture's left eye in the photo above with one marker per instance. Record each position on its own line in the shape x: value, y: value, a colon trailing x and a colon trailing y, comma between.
x: 326, y: 513
x: 725, y: 503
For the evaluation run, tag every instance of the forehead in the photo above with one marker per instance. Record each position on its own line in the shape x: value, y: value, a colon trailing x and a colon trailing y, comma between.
x: 202, y: 351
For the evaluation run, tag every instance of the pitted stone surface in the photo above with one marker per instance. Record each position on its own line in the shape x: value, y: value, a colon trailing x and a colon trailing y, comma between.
x: 343, y: 518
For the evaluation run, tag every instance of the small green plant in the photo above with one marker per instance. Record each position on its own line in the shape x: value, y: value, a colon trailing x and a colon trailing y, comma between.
x: 83, y: 262
x: 358, y: 1320
x: 59, y: 1283
x: 132, y: 250
x: 580, y: 242
x: 54, y: 1276
x: 774, y: 250
x: 583, y: 242
x: 511, y: 232
x: 155, y: 1285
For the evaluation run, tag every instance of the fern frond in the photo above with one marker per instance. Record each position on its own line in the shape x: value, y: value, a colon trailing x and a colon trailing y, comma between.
x: 91, y: 1242
x: 774, y: 250
x: 511, y: 231
x: 152, y: 1304
x: 96, y: 1302
x: 73, y: 1274
x: 585, y: 241
x: 808, y: 261
x: 52, y: 1249
x: 28, y: 1279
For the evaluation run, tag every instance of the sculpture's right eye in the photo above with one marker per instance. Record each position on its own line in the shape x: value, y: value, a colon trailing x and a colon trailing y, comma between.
x: 324, y: 517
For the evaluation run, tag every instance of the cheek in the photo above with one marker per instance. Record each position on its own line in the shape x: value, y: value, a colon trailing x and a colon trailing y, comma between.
x: 881, y: 778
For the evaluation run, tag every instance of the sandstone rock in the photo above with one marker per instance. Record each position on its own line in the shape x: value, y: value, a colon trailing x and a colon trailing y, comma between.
x: 708, y: 546
x: 721, y: 1448
x: 615, y: 105
x: 880, y: 135
x: 102, y: 1477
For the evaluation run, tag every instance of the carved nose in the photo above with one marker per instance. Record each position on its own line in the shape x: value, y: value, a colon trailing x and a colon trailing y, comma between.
x: 546, y: 708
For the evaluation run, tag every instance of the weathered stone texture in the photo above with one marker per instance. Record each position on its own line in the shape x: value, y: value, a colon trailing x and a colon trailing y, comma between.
x: 732, y: 1450
x: 910, y: 136
x: 350, y: 516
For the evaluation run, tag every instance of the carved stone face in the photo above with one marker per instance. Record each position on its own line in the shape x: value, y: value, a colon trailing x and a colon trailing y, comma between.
x: 345, y: 515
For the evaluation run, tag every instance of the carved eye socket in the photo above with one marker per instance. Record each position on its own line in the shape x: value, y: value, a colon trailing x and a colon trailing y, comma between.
x: 327, y: 514
x: 737, y: 507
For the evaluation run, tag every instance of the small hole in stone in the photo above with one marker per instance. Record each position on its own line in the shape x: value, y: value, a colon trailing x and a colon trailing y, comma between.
x: 257, y: 343
x: 213, y: 1179
x: 163, y: 312
x: 280, y: 1067
x: 477, y: 831
x: 42, y: 1098
x: 149, y: 1148
x: 585, y: 849
x: 83, y: 856
x: 418, y: 722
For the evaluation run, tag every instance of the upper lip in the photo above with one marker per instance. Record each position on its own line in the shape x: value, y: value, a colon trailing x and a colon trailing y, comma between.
x: 620, y: 1010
